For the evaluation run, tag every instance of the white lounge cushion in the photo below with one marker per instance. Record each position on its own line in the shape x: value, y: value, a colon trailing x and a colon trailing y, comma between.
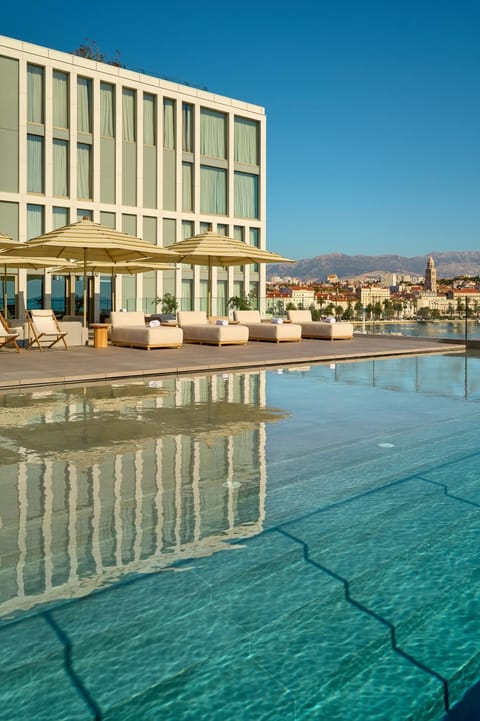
x: 129, y: 329
x: 274, y: 332
x: 320, y: 329
x: 197, y: 329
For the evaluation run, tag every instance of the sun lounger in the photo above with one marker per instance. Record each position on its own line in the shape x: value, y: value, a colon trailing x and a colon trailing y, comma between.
x: 7, y: 336
x: 268, y: 331
x: 320, y: 329
x: 197, y: 329
x: 129, y: 329
x: 43, y: 329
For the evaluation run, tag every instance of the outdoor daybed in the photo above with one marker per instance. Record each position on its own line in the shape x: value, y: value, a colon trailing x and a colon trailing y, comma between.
x: 270, y: 331
x: 129, y: 329
x: 197, y: 329
x: 319, y: 328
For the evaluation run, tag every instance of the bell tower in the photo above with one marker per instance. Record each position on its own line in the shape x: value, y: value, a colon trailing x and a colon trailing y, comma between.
x: 431, y: 276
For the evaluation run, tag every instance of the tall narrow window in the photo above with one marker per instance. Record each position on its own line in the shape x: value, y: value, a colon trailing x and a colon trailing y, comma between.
x: 59, y: 217
x: 84, y: 175
x: 169, y: 124
x: 35, y: 215
x: 246, y: 141
x: 187, y: 127
x: 84, y: 105
x: 213, y: 190
x: 106, y: 110
x: 187, y: 186
x: 246, y: 195
x: 60, y: 167
x: 128, y: 115
x: 213, y: 134
x: 35, y: 164
x: 35, y: 94
x: 149, y: 135
x: 60, y: 99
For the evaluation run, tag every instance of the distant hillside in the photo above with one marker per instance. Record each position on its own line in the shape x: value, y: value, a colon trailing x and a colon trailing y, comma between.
x: 448, y: 265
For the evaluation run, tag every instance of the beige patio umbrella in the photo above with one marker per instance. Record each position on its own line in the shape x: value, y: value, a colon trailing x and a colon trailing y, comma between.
x: 132, y: 267
x: 212, y: 249
x: 14, y: 261
x: 86, y: 241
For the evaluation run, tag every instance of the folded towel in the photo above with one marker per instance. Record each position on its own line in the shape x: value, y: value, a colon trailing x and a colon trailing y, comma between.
x: 154, y: 323
x: 221, y: 321
x: 278, y: 321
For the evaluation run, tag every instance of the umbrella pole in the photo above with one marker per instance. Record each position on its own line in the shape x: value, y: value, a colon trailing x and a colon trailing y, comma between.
x: 84, y: 287
x: 209, y: 289
x: 5, y: 292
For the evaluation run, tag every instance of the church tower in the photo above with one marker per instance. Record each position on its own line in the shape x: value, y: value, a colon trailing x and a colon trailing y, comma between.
x: 431, y: 276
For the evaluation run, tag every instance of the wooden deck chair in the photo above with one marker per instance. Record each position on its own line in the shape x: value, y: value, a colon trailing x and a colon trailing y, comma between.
x: 43, y: 327
x: 6, y: 335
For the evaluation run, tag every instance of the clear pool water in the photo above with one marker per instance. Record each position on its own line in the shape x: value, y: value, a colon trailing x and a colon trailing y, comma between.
x: 297, y: 544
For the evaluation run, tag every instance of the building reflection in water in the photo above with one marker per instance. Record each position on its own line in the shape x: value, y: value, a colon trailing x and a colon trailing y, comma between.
x: 85, y: 502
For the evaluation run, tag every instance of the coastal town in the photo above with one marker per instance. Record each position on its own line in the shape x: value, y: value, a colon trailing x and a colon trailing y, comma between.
x: 380, y: 296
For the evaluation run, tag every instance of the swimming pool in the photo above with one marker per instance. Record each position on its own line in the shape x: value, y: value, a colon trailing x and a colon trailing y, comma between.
x: 297, y: 544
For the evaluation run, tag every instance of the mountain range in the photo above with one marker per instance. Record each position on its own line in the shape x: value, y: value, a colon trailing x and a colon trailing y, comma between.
x: 448, y: 265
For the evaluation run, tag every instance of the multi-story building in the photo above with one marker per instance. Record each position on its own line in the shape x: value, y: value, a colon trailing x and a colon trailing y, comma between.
x: 144, y: 155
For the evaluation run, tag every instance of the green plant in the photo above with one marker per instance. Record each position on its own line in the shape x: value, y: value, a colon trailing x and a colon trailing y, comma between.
x: 168, y: 303
x: 239, y: 302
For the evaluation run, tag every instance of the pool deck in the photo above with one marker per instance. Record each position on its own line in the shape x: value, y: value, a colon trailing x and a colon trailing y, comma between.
x: 82, y: 364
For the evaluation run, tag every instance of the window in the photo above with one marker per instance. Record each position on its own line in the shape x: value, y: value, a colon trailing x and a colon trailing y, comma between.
x: 187, y: 186
x: 246, y: 195
x: 59, y: 216
x: 84, y: 105
x: 213, y: 190
x: 35, y: 216
x: 35, y: 94
x: 60, y: 99
x: 84, y: 173
x: 149, y: 135
x: 60, y: 167
x: 246, y: 141
x: 107, y: 105
x: 35, y: 164
x: 187, y: 127
x: 128, y: 115
x: 213, y: 134
x: 169, y: 124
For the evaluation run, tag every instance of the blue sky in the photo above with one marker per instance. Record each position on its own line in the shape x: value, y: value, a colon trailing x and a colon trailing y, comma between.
x: 373, y: 106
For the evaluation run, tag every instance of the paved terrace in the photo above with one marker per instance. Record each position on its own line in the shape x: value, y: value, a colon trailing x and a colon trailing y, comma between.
x: 86, y: 363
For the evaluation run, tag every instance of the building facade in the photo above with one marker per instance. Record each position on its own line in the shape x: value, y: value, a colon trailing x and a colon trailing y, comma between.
x: 153, y: 158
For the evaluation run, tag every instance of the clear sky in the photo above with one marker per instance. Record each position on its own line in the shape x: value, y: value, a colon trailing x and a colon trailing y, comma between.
x: 373, y: 106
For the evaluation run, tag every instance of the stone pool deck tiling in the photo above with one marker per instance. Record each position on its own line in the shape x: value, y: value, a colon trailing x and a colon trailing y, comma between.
x: 86, y: 363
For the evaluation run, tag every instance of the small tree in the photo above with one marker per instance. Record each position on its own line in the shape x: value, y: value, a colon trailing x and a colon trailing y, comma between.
x: 168, y: 303
x: 239, y: 302
x: 90, y: 50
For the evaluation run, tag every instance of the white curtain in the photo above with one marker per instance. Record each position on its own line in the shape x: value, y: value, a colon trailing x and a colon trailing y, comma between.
x: 34, y: 163
x: 187, y: 186
x: 35, y: 94
x: 34, y: 220
x: 149, y: 119
x: 187, y: 229
x: 60, y: 167
x: 59, y: 217
x: 128, y: 114
x: 246, y: 141
x: 60, y: 99
x: 246, y: 195
x: 212, y: 134
x: 106, y: 110
x: 213, y: 190
x: 187, y: 128
x: 83, y: 171
x: 168, y: 124
x: 84, y: 110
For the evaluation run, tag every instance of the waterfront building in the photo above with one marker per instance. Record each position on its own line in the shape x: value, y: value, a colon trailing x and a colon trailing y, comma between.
x: 148, y: 156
